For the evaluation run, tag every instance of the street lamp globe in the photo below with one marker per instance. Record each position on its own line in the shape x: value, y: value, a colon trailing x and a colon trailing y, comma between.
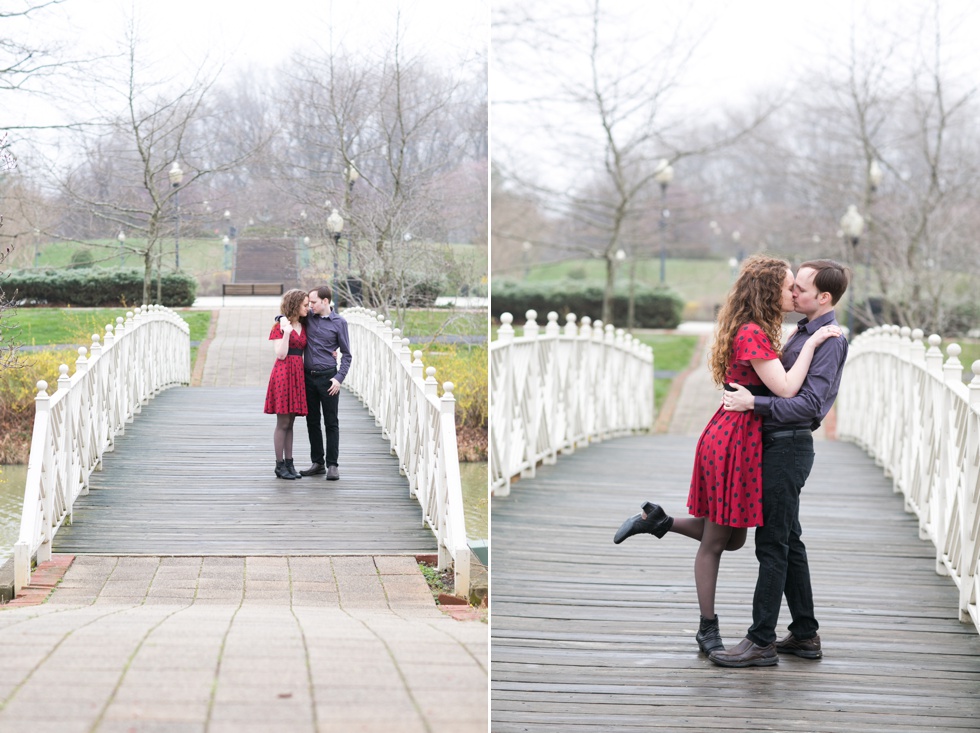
x: 176, y: 175
x: 665, y: 173
x: 121, y: 237
x: 335, y: 224
x: 874, y: 175
x: 852, y: 224
x: 227, y: 215
x: 352, y: 175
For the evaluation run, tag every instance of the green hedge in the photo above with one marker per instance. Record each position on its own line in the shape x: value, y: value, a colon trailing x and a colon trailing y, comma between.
x: 654, y: 307
x: 94, y: 287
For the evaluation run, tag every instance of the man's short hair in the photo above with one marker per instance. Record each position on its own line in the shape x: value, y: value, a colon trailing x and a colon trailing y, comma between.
x: 324, y: 292
x: 832, y: 277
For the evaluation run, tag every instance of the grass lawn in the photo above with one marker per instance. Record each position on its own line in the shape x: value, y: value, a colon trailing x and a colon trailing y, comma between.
x: 420, y: 324
x: 671, y: 354
x: 75, y: 326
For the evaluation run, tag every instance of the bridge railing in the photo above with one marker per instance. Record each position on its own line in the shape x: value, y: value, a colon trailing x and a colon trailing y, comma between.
x: 554, y: 391
x: 915, y: 416
x: 420, y: 427
x: 135, y: 360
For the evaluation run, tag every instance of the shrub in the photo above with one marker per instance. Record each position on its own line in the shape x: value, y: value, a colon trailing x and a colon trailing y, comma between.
x: 81, y: 258
x: 466, y: 367
x: 90, y: 287
x: 17, y: 393
x: 654, y: 307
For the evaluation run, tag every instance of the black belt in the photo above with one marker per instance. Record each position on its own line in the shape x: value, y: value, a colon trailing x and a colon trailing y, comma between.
x: 315, y: 372
x: 759, y: 390
x: 776, y: 434
x: 294, y: 352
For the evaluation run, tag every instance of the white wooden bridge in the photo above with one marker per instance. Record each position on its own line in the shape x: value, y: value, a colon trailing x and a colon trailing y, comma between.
x: 587, y: 635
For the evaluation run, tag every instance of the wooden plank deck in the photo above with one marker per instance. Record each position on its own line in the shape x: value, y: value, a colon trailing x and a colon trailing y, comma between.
x: 193, y: 474
x: 590, y: 636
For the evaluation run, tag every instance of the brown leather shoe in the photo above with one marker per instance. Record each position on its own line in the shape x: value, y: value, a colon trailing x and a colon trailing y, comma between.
x: 746, y: 654
x: 806, y: 648
x: 315, y: 470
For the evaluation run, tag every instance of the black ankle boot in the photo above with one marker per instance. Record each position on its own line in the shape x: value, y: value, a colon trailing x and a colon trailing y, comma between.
x: 708, y: 636
x: 292, y: 468
x: 657, y: 523
x: 283, y: 472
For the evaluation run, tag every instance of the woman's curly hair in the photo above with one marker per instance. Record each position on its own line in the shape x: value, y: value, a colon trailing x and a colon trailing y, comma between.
x: 756, y: 297
x: 292, y: 301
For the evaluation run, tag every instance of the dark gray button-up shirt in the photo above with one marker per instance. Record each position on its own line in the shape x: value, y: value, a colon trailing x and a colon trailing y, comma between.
x: 324, y: 335
x: 819, y: 390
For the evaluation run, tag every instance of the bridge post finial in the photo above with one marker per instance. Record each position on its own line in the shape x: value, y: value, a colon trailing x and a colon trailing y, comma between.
x: 64, y: 381
x: 975, y: 385
x: 585, y: 332
x: 81, y: 363
x: 405, y: 355
x: 96, y: 349
x: 447, y: 403
x: 431, y: 388
x: 505, y: 334
x: 108, y: 340
x: 953, y: 368
x: 917, y: 351
x: 570, y: 328
x: 417, y: 367
x: 530, y: 325
x: 552, y: 329
x: 934, y: 357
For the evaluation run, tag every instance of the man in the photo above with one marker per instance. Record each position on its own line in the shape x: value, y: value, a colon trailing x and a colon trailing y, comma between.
x: 787, y: 458
x: 326, y: 332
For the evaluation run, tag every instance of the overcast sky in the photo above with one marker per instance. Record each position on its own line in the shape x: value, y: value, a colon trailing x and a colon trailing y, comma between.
x: 180, y: 34
x: 748, y: 45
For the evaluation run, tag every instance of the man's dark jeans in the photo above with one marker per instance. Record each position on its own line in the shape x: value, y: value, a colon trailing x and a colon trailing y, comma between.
x: 783, y: 567
x: 318, y: 399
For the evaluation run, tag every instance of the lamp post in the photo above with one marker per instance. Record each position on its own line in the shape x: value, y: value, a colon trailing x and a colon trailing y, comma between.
x: 37, y: 245
x: 335, y: 225
x: 852, y: 225
x: 122, y: 252
x: 526, y: 247
x: 875, y: 175
x: 663, y: 176
x: 176, y: 177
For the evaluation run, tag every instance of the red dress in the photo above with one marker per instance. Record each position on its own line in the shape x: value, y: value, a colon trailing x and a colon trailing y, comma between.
x: 726, y: 486
x: 286, y: 394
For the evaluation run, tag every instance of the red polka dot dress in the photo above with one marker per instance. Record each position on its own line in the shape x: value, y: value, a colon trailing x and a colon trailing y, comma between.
x: 286, y: 394
x: 726, y: 486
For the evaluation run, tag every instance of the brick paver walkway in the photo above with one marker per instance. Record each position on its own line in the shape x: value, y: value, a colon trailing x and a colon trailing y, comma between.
x: 237, y: 644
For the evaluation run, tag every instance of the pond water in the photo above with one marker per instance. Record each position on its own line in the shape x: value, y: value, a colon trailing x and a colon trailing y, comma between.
x: 12, y: 480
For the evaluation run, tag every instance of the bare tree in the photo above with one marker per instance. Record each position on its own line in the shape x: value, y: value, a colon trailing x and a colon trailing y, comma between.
x: 8, y: 348
x: 125, y: 182
x: 613, y: 122
x: 392, y: 146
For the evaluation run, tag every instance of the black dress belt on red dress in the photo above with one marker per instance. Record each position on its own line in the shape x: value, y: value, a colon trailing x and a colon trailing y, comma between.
x: 759, y: 390
x: 294, y: 352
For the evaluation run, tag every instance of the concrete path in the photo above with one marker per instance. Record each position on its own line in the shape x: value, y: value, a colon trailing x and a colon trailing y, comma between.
x: 238, y: 644
x: 241, y: 644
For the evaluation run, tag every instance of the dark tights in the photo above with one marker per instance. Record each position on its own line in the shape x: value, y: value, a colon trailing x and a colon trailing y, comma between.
x: 714, y: 539
x: 283, y: 436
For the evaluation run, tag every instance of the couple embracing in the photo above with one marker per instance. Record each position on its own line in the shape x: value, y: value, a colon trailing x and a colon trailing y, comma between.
x: 756, y: 452
x: 306, y: 379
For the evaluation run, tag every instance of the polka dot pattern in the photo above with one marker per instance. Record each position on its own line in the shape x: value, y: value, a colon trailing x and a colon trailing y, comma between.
x: 286, y: 394
x: 726, y: 484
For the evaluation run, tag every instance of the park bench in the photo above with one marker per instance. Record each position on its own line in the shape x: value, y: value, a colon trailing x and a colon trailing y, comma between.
x: 250, y: 289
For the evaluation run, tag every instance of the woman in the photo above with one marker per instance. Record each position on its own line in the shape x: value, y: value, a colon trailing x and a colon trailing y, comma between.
x: 286, y: 396
x: 725, y: 497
